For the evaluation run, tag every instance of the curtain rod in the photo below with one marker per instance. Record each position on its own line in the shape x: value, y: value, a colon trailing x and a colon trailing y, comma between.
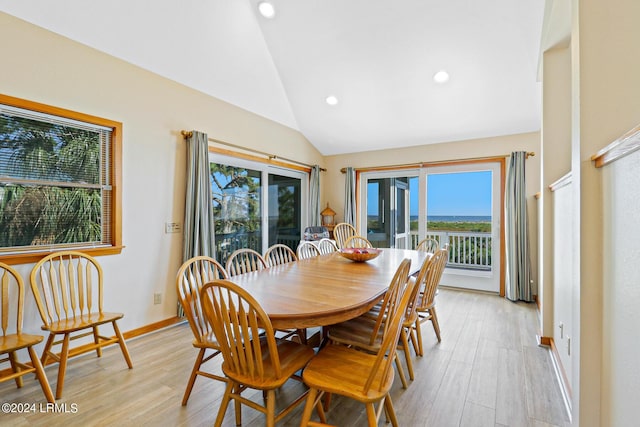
x: 423, y: 164
x: 188, y: 134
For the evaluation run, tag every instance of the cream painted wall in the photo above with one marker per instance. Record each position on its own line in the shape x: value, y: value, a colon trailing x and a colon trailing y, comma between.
x: 564, y: 284
x: 43, y: 67
x: 556, y: 162
x: 487, y: 147
x: 621, y: 293
x: 605, y: 105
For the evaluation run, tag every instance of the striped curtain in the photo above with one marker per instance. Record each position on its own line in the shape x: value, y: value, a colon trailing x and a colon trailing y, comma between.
x: 314, y: 197
x: 350, y: 196
x: 517, y: 262
x: 199, y: 234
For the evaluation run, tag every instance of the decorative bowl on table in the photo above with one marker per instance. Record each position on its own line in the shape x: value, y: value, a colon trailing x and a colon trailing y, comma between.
x: 359, y: 254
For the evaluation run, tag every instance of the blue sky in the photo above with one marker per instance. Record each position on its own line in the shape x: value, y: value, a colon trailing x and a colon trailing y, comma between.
x: 467, y: 193
x: 464, y: 193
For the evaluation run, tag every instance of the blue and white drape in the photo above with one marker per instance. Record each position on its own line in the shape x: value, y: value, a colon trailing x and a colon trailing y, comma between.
x: 314, y: 197
x: 199, y: 233
x: 518, y: 265
x: 350, y: 196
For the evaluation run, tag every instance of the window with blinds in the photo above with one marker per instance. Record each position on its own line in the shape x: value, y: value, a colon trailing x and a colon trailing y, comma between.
x: 56, y: 174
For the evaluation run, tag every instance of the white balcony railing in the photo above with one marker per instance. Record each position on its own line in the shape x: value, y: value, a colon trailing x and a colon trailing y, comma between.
x: 466, y: 250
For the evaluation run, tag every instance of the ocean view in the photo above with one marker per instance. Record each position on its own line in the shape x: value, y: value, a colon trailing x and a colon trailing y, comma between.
x: 455, y: 218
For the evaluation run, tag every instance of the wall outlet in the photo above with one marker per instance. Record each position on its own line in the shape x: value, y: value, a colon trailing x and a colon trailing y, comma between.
x: 157, y: 298
x: 172, y: 227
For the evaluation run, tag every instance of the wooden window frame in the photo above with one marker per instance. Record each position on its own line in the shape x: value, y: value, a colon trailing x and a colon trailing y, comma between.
x: 113, y: 247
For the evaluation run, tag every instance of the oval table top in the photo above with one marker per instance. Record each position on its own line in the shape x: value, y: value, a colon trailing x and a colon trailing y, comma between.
x: 325, y: 289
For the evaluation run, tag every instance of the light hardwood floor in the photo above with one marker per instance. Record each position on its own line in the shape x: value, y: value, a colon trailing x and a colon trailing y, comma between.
x: 487, y: 371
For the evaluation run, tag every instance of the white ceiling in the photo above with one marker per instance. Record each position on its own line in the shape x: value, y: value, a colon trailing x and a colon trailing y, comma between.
x: 377, y: 56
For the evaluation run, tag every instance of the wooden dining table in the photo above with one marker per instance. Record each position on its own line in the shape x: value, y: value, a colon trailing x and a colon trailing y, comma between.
x: 325, y: 289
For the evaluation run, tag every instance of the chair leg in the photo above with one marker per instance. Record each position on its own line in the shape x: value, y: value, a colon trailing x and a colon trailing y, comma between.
x: 407, y: 354
x: 15, y: 367
x: 320, y: 410
x: 434, y: 322
x: 419, y: 334
x: 308, y: 407
x: 302, y: 335
x: 271, y: 408
x: 224, y: 403
x: 96, y: 340
x: 64, y: 356
x: 327, y: 401
x: 414, y: 340
x: 238, y: 405
x: 192, y: 378
x: 400, y: 371
x: 42, y: 378
x: 391, y: 413
x: 47, y: 349
x: 372, y: 418
x: 123, y: 345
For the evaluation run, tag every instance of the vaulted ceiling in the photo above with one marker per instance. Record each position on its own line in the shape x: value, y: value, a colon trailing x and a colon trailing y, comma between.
x: 377, y: 57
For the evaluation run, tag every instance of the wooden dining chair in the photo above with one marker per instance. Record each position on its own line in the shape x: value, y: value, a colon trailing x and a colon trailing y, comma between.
x: 191, y: 277
x: 326, y: 246
x: 251, y: 359
x: 428, y: 245
x: 426, y: 303
x: 408, y: 330
x: 367, y: 332
x: 365, y: 377
x: 244, y: 261
x: 248, y: 260
x: 342, y: 231
x: 12, y: 338
x: 279, y: 254
x: 357, y: 242
x: 307, y: 250
x: 68, y: 289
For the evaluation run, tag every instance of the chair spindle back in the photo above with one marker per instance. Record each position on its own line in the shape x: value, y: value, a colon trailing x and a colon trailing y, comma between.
x: 279, y: 254
x: 386, y: 353
x: 244, y: 261
x: 342, y: 231
x: 67, y: 284
x: 431, y: 277
x: 191, y: 277
x: 239, y: 324
x: 391, y: 300
x: 307, y: 250
x: 11, y: 288
x: 326, y: 246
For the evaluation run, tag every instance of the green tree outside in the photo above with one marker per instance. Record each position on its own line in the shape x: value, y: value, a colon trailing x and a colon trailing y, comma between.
x: 33, y: 212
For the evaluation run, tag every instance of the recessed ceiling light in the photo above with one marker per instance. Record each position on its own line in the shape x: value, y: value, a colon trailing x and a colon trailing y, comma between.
x: 266, y: 9
x: 331, y: 100
x: 441, y: 77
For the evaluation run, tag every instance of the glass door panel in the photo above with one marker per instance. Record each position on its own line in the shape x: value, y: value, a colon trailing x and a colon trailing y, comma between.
x: 237, y: 209
x: 378, y: 228
x: 402, y: 221
x: 463, y: 210
x: 285, y: 218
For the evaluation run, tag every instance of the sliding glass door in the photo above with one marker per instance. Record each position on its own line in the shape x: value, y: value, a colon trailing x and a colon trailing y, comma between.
x: 388, y: 211
x: 256, y: 205
x: 459, y: 205
x: 463, y: 209
x: 285, y: 205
